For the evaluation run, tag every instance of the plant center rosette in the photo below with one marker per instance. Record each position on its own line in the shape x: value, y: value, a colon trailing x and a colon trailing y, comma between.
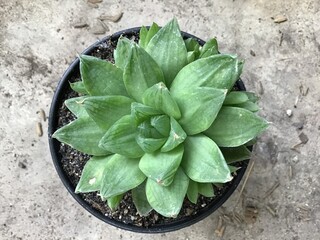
x: 162, y: 122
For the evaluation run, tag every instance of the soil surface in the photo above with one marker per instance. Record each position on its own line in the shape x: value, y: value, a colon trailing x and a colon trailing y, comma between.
x: 73, y: 162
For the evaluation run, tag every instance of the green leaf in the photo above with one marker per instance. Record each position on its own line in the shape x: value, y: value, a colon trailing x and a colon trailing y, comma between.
x: 203, y: 161
x: 113, y: 202
x: 121, y: 138
x: 141, y: 72
x: 199, y: 108
x: 146, y: 130
x: 233, y: 168
x: 191, y: 57
x: 209, y: 48
x: 161, y: 167
x: 82, y: 134
x: 237, y: 97
x: 161, y: 124
x: 168, y: 49
x: 218, y: 71
x: 146, y: 37
x: 100, y: 77
x: 206, y: 189
x: 92, y: 174
x: 192, y: 45
x: 79, y: 87
x: 142, y: 36
x: 76, y: 107
x: 106, y: 110
x: 140, y: 200
x: 252, y: 96
x: 176, y: 136
x: 235, y: 154
x: 253, y: 107
x: 121, y: 175
x: 235, y: 126
x: 141, y: 112
x: 192, y: 192
x: 168, y: 200
x: 149, y: 145
x: 122, y: 52
x: 159, y: 97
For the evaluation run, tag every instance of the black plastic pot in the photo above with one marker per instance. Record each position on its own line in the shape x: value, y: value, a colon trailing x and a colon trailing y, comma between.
x: 57, y: 101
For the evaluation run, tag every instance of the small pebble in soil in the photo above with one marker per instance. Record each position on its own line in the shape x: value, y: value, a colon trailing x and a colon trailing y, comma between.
x: 39, y: 129
x: 22, y: 165
x: 303, y: 138
x: 289, y: 112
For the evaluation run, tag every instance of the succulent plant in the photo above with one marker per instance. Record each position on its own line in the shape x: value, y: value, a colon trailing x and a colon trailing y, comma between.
x: 162, y: 122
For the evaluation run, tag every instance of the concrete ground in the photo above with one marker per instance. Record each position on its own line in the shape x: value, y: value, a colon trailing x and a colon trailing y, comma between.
x: 40, y: 38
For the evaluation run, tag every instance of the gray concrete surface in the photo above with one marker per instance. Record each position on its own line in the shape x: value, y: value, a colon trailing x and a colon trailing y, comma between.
x: 38, y: 42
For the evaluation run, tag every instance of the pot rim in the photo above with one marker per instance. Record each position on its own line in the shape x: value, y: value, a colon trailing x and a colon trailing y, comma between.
x: 54, y: 149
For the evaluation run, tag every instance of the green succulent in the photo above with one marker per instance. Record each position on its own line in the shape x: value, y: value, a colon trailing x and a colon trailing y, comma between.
x: 162, y: 122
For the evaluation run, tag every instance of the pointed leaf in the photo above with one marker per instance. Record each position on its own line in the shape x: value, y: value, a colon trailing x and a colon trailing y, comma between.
x: 142, y: 36
x: 209, y: 48
x: 141, y: 112
x: 121, y: 138
x: 79, y: 87
x: 76, y: 107
x: 191, y: 57
x: 140, y: 200
x: 168, y: 200
x: 159, y: 97
x: 233, y: 168
x: 100, y: 77
x: 218, y: 71
x: 149, y: 145
x: 206, y: 189
x: 141, y: 72
x: 235, y: 154
x: 252, y: 96
x: 161, y: 167
x: 192, y: 45
x: 203, y: 160
x: 122, y: 52
x: 113, y: 202
x: 233, y: 98
x: 176, y: 136
x: 199, y: 108
x: 161, y: 124
x: 82, y: 134
x: 253, y: 107
x: 192, y: 192
x: 121, y: 175
x: 235, y: 126
x: 146, y: 130
x: 168, y: 49
x: 92, y: 175
x: 106, y: 110
x: 151, y: 32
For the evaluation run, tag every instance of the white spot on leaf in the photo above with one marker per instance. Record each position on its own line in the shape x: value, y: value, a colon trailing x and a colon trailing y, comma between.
x: 92, y: 181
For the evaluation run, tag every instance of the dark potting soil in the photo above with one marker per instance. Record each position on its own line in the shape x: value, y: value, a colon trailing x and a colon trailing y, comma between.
x: 73, y: 163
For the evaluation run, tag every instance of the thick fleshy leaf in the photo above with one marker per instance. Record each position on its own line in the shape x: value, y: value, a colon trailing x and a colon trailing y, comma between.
x: 252, y: 96
x: 209, y: 48
x: 162, y: 124
x: 82, y: 134
x: 113, y: 202
x: 76, y: 107
x: 100, y: 77
x: 122, y: 52
x: 253, y: 107
x: 203, y: 161
x: 106, y: 110
x: 161, y: 167
x: 191, y: 57
x: 141, y: 72
x: 168, y: 49
x: 159, y: 97
x: 192, y: 192
x: 192, y: 45
x: 146, y: 130
x: 235, y: 154
x: 235, y: 126
x: 218, y: 71
x: 141, y: 112
x: 92, y: 174
x: 121, y: 175
x: 206, y: 189
x: 121, y: 138
x: 199, y: 108
x: 140, y: 200
x: 237, y: 97
x: 168, y: 200
x: 147, y: 34
x: 79, y: 87
x: 176, y: 136
x: 149, y: 145
x: 233, y: 168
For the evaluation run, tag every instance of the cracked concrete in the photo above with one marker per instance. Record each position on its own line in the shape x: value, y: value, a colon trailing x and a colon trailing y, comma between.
x: 38, y: 42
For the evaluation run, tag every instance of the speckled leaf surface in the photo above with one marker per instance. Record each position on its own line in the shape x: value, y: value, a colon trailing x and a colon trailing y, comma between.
x: 176, y: 136
x: 76, y: 107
